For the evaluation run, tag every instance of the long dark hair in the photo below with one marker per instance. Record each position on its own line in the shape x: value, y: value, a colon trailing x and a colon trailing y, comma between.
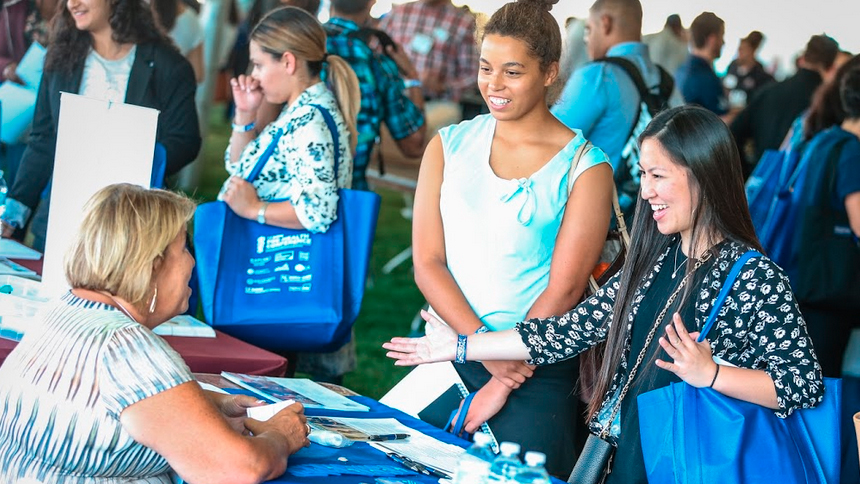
x: 826, y: 108
x: 697, y: 140
x: 131, y: 21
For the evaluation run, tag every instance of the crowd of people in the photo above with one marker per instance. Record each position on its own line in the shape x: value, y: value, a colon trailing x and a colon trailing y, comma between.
x: 507, y: 220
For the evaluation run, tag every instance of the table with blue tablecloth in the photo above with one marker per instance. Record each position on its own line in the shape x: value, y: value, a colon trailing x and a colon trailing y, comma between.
x: 318, y: 464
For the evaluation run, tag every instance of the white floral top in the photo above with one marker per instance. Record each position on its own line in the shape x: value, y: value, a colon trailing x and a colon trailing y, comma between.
x: 301, y: 168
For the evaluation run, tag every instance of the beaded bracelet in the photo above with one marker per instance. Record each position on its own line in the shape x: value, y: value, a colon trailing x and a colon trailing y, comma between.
x: 460, y: 357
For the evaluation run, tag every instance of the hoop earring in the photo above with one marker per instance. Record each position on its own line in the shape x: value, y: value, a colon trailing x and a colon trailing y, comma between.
x: 154, y: 296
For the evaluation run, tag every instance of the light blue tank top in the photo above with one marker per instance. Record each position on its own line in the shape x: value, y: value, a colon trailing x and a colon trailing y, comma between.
x: 500, y: 234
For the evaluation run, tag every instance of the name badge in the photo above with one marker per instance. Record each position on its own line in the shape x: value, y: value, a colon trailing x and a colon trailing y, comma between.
x: 440, y: 34
x: 421, y: 44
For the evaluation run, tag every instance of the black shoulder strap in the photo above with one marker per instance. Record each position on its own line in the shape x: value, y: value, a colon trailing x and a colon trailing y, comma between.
x: 631, y: 71
x: 667, y: 83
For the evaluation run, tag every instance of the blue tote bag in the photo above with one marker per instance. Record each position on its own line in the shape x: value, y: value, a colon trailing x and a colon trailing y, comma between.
x: 698, y: 435
x: 764, y: 182
x: 285, y: 289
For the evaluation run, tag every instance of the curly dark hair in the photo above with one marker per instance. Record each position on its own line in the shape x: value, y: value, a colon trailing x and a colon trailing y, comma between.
x: 130, y: 20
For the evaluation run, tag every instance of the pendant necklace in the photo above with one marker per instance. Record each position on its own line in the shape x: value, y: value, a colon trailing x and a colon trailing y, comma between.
x: 678, y: 266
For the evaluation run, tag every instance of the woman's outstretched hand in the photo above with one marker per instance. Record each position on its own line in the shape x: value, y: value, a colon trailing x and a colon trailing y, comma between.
x: 438, y: 344
x: 693, y: 362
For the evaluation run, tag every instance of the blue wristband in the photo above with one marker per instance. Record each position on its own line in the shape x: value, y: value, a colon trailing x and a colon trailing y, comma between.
x: 410, y: 83
x: 243, y: 128
x: 482, y: 329
x: 460, y: 357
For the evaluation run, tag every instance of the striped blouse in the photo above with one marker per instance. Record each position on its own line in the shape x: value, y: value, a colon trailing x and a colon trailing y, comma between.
x: 62, y: 391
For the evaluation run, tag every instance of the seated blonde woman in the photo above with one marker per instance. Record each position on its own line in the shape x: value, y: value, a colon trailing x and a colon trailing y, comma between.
x: 93, y: 393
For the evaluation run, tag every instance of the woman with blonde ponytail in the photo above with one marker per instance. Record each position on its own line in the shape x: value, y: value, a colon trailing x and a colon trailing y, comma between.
x: 297, y: 187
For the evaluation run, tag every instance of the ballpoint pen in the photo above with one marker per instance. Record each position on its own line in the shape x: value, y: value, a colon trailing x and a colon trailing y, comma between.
x: 385, y: 437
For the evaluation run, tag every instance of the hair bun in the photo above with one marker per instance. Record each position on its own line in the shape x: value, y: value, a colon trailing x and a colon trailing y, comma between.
x: 542, y: 4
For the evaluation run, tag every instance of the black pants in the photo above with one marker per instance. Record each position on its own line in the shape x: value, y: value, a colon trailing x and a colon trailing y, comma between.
x: 541, y: 415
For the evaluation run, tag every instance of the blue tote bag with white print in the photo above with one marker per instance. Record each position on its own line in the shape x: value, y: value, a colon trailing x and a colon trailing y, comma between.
x: 285, y: 289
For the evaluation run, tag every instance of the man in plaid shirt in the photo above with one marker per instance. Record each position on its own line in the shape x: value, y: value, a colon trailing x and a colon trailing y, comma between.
x: 384, y: 95
x: 440, y: 40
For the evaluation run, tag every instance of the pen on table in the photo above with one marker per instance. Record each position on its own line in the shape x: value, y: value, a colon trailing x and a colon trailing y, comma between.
x: 416, y: 466
x: 385, y: 437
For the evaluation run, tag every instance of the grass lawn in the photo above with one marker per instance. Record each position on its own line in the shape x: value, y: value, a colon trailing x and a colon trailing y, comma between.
x: 389, y: 304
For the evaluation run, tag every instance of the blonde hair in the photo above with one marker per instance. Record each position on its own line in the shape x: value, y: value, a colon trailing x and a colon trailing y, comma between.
x: 291, y: 29
x: 126, y: 228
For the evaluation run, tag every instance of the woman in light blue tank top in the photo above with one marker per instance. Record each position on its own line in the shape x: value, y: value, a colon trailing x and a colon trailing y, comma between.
x: 499, y: 236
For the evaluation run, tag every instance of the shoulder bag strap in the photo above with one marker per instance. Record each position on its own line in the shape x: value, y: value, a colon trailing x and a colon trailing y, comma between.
x: 724, y: 292
x: 264, y: 158
x: 616, y: 206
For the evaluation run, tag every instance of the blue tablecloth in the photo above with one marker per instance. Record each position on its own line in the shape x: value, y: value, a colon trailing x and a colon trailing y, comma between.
x: 360, y: 453
x: 319, y: 458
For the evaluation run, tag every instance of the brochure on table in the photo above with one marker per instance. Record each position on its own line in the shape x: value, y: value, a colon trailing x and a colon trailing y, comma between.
x: 308, y: 393
x: 98, y: 143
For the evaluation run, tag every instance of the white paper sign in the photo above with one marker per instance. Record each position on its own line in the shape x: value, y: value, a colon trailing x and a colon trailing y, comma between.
x: 98, y: 144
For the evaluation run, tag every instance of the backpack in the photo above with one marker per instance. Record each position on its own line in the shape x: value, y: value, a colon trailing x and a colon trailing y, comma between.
x: 775, y: 169
x: 777, y: 229
x: 651, y: 103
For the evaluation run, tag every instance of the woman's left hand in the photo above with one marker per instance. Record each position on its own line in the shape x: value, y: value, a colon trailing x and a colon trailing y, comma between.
x: 241, y: 197
x: 693, y: 362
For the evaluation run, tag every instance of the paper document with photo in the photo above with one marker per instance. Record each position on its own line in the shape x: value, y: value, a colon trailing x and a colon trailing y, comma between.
x: 360, y: 429
x: 308, y: 393
x: 98, y: 144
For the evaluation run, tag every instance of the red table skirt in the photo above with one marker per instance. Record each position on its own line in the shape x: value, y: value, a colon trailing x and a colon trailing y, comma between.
x: 211, y: 355
x: 202, y: 355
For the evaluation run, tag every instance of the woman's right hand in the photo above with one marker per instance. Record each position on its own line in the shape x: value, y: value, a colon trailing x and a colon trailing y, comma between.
x: 289, y: 422
x: 247, y: 95
x: 438, y: 344
x: 512, y: 373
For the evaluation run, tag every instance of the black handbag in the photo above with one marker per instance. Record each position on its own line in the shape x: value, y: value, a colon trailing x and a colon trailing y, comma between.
x: 594, y: 463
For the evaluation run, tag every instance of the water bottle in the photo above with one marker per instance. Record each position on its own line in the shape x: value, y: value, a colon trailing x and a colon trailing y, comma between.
x: 533, y: 472
x: 506, y: 465
x: 3, y: 190
x: 474, y: 465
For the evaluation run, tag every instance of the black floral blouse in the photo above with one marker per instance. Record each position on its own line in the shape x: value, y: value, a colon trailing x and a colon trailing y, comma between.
x: 759, y: 326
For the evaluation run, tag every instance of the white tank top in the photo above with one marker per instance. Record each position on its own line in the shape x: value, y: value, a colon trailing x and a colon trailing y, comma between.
x: 500, y: 234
